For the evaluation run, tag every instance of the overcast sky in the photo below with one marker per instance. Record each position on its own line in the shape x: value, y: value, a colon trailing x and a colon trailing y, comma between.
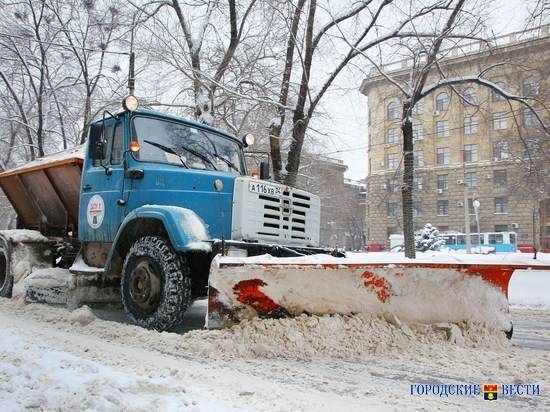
x: 348, y: 108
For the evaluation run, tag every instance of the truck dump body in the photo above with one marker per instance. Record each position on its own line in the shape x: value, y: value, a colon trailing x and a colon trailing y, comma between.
x: 45, y: 193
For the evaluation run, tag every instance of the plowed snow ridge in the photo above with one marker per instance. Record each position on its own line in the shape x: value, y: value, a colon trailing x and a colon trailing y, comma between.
x: 304, y: 337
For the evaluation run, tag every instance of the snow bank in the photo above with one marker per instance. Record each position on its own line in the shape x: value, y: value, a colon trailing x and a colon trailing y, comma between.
x: 397, y: 258
x: 302, y: 338
x: 530, y: 288
x: 335, y: 336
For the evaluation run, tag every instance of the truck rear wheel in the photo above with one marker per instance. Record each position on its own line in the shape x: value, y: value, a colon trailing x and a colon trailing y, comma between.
x: 156, y: 284
x: 6, y: 280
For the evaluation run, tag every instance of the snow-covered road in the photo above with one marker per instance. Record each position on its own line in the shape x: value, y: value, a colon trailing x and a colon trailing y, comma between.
x: 51, y: 359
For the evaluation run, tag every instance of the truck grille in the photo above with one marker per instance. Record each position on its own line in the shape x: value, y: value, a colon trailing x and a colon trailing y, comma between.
x: 288, y: 217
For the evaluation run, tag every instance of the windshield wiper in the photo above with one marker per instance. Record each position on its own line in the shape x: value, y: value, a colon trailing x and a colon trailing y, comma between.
x: 226, y: 161
x: 200, y: 156
x: 167, y: 150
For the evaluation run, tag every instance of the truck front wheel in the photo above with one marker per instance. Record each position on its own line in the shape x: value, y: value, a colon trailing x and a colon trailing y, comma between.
x: 156, y: 284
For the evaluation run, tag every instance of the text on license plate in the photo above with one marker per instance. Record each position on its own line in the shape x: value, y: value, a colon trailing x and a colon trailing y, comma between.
x: 264, y: 189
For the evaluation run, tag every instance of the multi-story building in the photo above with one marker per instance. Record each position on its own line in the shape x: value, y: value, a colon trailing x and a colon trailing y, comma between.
x: 469, y: 142
x: 343, y: 202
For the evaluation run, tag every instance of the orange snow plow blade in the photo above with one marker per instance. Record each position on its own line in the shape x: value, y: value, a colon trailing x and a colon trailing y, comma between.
x: 415, y: 291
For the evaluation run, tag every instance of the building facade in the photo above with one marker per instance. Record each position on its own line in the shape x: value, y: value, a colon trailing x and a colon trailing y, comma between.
x: 343, y: 202
x: 469, y: 143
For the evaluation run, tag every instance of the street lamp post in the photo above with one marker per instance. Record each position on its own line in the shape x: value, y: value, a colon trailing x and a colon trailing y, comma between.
x: 476, y: 205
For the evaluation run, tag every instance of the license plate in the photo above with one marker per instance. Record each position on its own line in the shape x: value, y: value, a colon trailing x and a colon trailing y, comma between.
x: 263, y: 189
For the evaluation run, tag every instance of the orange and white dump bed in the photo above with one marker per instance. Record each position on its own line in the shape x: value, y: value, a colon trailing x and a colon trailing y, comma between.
x: 429, y: 289
x: 45, y: 192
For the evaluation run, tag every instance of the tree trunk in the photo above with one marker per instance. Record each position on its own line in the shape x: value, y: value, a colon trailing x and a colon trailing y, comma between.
x: 275, y: 128
x: 275, y: 147
x: 408, y: 179
x: 87, y: 116
x: 295, y: 152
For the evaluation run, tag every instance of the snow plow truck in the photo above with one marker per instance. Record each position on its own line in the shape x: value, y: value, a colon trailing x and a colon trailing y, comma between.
x: 141, y: 211
x: 155, y: 210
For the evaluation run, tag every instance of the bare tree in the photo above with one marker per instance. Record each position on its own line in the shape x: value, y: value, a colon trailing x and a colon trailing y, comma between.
x: 88, y: 31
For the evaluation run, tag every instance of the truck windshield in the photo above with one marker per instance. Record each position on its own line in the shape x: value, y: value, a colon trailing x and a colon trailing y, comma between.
x: 170, y: 142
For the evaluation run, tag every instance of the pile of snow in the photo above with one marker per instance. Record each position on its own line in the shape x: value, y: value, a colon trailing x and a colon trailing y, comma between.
x: 304, y: 337
x: 51, y: 279
x: 335, y: 336
x: 82, y: 316
x: 530, y: 288
x: 24, y: 235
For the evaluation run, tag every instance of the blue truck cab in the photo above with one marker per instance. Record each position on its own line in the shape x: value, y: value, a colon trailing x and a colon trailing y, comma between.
x: 161, y: 196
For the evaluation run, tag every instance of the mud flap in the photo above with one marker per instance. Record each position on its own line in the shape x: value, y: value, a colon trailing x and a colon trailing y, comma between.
x: 241, y: 288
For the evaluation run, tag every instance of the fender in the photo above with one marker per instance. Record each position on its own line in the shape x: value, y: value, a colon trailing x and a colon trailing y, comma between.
x: 186, y: 230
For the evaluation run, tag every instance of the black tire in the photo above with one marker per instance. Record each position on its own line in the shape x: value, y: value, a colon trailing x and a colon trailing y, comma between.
x: 156, y: 284
x: 6, y: 279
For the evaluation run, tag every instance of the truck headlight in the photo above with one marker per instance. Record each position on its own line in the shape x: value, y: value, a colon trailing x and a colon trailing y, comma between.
x: 248, y: 139
x: 130, y: 103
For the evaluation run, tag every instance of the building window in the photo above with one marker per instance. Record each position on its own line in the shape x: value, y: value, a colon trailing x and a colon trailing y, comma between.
x: 418, y: 108
x: 417, y: 209
x: 497, y: 97
x: 393, y: 160
x: 470, y: 125
x: 392, y: 209
x: 500, y: 178
x: 393, y: 111
x: 469, y: 97
x: 442, y: 128
x: 418, y: 183
x: 418, y: 132
x: 500, y: 120
x: 442, y: 102
x: 470, y: 179
x: 443, y: 208
x: 501, y: 204
x: 393, y: 136
x: 391, y: 185
x: 470, y: 152
x: 442, y: 182
x: 418, y: 157
x: 529, y: 118
x: 443, y: 157
x: 501, y: 228
x: 500, y: 150
x: 530, y: 86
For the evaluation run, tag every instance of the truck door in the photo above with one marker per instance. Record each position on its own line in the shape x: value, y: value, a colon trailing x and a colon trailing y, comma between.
x: 101, y: 201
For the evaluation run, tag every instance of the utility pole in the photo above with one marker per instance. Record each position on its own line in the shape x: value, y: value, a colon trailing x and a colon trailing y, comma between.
x: 131, y: 74
x: 466, y: 211
x: 476, y: 205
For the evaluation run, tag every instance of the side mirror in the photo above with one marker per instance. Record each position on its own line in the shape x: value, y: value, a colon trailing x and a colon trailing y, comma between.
x: 264, y: 171
x: 97, y: 144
